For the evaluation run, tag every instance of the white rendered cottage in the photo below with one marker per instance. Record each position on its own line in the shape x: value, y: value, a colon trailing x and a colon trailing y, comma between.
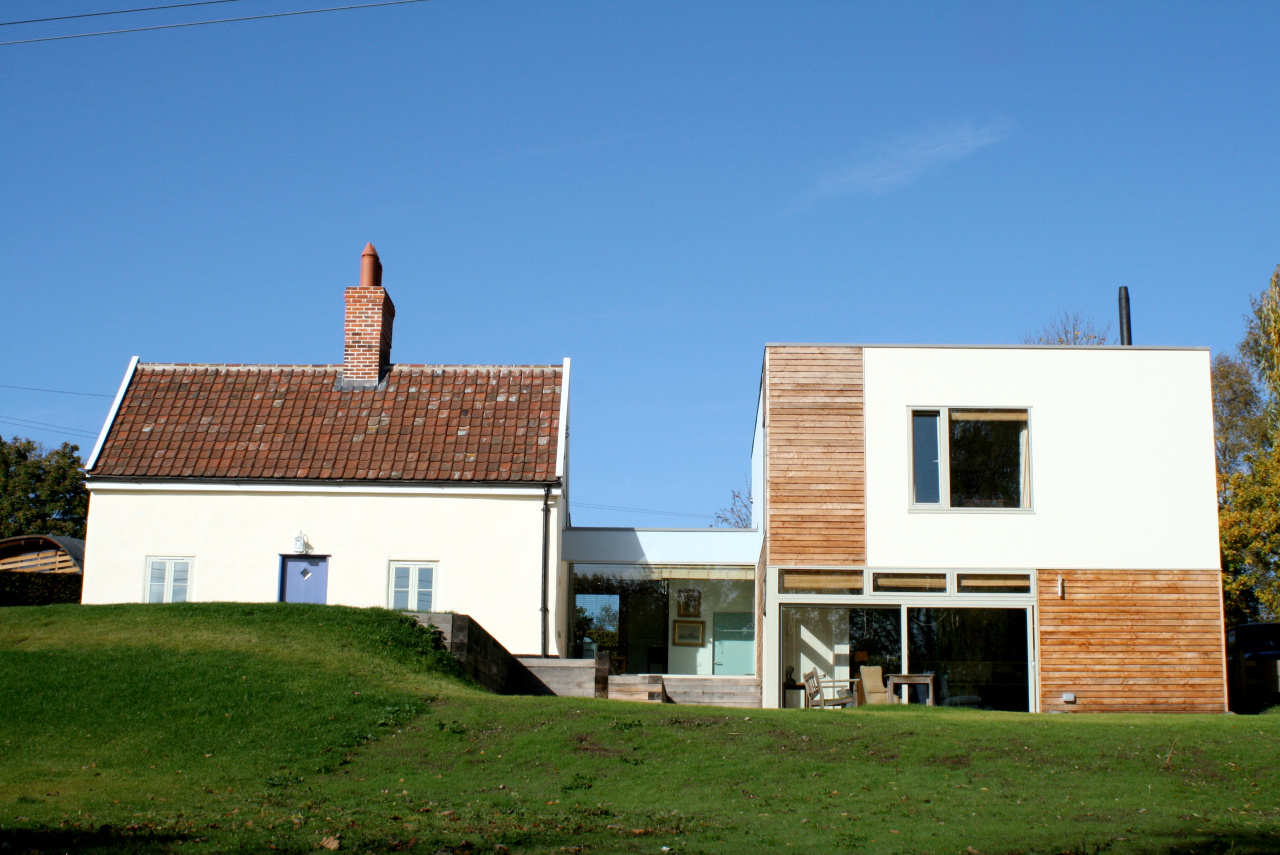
x: 416, y: 487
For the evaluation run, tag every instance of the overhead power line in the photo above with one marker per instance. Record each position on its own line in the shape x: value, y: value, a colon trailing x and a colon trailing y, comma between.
x: 642, y: 511
x: 219, y: 21
x: 27, y: 423
x: 57, y: 391
x: 117, y: 12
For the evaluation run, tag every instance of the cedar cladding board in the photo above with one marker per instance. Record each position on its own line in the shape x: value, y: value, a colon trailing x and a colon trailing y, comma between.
x: 1132, y: 641
x: 816, y: 456
x: 429, y: 423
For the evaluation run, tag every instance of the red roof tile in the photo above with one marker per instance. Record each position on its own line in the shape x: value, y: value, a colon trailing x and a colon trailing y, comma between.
x: 283, y: 422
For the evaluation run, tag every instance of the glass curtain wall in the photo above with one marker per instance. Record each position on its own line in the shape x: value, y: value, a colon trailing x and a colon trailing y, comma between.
x: 978, y: 655
x: 836, y: 642
x: 654, y: 619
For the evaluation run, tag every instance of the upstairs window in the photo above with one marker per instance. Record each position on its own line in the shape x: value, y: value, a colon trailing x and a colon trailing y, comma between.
x: 412, y: 585
x: 167, y: 579
x: 970, y: 458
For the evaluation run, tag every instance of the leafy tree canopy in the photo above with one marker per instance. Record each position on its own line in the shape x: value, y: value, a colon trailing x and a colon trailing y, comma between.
x: 41, y: 491
x: 1240, y: 422
x: 1246, y: 410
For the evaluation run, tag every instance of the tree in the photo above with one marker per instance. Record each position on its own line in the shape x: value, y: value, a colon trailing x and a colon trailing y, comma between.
x: 1240, y: 424
x: 1261, y: 345
x: 1247, y: 422
x: 737, y: 514
x: 1249, y: 528
x: 41, y: 491
x: 1069, y: 327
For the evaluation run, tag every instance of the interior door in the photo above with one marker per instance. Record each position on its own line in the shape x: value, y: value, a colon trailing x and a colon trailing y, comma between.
x: 734, y: 637
x: 304, y: 579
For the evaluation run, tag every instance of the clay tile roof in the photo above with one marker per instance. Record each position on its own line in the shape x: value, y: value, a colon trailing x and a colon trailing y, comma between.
x: 481, y: 423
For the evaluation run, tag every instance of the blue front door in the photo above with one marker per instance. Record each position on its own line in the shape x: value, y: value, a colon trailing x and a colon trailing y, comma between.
x: 304, y: 579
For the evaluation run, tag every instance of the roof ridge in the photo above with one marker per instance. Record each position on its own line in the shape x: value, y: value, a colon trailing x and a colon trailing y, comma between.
x: 338, y: 367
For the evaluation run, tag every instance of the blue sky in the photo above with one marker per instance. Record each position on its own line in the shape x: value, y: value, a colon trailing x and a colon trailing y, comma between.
x: 655, y: 190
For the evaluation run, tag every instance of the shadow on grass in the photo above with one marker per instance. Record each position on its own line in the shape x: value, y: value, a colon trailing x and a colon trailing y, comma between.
x: 18, y: 841
x: 1235, y: 842
x: 1258, y: 842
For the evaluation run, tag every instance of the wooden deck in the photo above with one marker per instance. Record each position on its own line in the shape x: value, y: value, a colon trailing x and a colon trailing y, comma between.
x: 686, y: 689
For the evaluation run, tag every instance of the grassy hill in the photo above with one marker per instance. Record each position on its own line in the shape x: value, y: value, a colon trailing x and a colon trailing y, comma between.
x: 253, y: 728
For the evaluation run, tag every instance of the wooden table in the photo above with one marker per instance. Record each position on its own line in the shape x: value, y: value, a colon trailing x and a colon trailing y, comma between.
x: 896, y: 680
x: 794, y: 687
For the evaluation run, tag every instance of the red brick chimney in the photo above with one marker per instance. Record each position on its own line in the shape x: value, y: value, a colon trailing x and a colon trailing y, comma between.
x: 370, y: 313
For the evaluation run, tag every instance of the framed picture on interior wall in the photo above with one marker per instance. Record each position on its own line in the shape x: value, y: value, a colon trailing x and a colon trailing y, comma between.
x: 688, y: 633
x: 689, y: 602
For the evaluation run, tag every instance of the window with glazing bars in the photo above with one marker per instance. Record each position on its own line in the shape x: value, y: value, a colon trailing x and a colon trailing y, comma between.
x: 168, y: 579
x: 412, y: 585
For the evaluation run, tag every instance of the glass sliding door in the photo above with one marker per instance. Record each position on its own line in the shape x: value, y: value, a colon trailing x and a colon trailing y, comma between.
x: 875, y: 638
x: 978, y: 655
x: 836, y: 641
x: 626, y: 618
x: 666, y: 619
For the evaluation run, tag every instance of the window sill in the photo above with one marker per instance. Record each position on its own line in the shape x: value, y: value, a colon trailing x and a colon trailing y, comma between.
x: 922, y: 509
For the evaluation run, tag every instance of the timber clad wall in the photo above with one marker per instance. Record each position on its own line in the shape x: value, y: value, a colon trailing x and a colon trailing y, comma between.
x: 1132, y: 641
x: 41, y: 561
x: 816, y: 462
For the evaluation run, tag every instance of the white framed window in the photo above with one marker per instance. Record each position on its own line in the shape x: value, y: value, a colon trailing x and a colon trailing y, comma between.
x: 412, y: 586
x: 965, y: 457
x: 168, y: 579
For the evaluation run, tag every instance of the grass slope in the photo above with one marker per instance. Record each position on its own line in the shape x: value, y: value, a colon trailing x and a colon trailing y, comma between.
x: 252, y: 728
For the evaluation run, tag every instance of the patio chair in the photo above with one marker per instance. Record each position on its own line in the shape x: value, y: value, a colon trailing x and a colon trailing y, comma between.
x: 816, y: 696
x: 873, y: 689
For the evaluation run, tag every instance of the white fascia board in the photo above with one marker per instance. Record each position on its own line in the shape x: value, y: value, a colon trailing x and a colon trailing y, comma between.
x: 1071, y: 347
x: 340, y: 489
x: 562, y: 436
x: 111, y: 416
x: 699, y: 546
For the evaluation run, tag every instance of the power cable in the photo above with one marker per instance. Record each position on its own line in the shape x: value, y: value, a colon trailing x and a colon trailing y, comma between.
x: 27, y: 423
x: 117, y: 12
x: 642, y: 511
x: 202, y: 23
x: 57, y: 391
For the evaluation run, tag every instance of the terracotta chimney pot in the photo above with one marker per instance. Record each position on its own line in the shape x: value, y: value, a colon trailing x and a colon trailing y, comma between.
x: 370, y: 314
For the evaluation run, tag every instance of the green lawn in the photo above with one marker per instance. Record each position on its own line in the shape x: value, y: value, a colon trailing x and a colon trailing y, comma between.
x: 252, y: 728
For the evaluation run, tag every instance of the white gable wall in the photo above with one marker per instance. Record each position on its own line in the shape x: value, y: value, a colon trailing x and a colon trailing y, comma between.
x: 1121, y: 448
x: 487, y: 545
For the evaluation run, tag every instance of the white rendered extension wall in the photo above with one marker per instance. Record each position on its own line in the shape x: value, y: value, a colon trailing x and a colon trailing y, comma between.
x: 487, y: 545
x: 1121, y: 458
x: 1121, y: 469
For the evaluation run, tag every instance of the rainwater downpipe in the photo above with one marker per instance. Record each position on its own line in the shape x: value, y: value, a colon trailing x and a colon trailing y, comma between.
x: 546, y: 562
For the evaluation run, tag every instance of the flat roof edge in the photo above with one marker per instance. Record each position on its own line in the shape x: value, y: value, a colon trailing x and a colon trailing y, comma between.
x: 990, y: 346
x: 633, y: 528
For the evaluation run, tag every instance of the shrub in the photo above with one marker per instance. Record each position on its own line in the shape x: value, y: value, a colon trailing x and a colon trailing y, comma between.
x: 22, y: 588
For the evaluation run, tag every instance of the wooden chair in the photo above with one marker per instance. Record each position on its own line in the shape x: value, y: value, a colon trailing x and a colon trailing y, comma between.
x: 815, y: 696
x: 873, y: 689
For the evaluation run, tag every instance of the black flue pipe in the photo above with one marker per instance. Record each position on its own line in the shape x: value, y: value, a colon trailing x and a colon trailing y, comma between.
x: 1126, y: 332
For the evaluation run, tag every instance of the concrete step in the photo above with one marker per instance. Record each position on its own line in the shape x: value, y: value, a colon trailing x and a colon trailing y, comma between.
x: 574, y: 678
x: 707, y: 682
x: 715, y: 691
x: 642, y: 687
